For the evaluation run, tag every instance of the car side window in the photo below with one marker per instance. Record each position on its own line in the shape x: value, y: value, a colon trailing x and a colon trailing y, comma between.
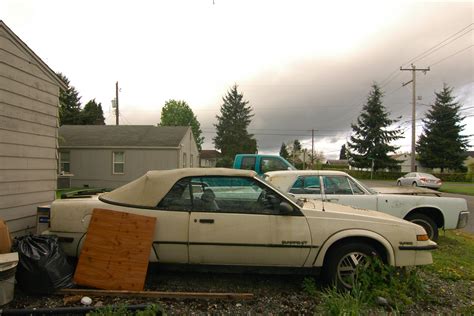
x: 235, y: 195
x: 336, y: 185
x: 248, y: 163
x: 272, y: 164
x: 178, y: 198
x: 356, y: 189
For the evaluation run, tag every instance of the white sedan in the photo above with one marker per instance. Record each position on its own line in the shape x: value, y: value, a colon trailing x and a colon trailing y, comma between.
x: 419, y: 179
x: 431, y: 212
x: 232, y: 217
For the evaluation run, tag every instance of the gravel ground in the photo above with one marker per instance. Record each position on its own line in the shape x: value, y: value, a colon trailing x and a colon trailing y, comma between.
x: 273, y: 294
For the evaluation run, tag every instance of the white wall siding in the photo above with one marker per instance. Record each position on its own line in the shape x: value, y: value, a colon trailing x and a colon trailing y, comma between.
x: 28, y: 135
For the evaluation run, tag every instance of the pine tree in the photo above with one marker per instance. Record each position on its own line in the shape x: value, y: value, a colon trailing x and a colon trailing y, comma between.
x: 371, y: 138
x: 440, y: 144
x: 283, y: 151
x: 343, y: 153
x: 178, y: 113
x: 92, y: 114
x: 69, y: 104
x: 232, y: 136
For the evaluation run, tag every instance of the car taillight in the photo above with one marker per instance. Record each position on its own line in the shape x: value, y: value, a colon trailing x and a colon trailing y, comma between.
x: 438, y: 181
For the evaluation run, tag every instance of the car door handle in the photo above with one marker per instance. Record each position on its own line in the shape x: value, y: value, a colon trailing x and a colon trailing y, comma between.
x: 206, y: 221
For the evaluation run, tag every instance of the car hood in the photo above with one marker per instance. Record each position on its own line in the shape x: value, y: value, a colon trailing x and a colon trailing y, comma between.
x: 343, y: 211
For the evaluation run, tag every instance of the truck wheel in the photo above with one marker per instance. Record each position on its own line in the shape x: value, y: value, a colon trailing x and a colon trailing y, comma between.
x: 340, y: 267
x: 427, y: 223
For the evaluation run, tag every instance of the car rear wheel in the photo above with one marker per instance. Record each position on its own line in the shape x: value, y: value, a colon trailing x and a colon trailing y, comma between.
x: 427, y: 223
x: 341, y: 266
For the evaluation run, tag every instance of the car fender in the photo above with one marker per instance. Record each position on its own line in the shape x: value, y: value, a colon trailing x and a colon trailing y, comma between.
x: 319, y: 260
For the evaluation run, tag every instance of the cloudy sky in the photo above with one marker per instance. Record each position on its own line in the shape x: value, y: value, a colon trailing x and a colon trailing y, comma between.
x: 302, y: 65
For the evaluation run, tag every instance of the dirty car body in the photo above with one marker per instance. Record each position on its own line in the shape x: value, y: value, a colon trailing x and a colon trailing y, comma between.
x: 218, y: 216
x: 431, y: 212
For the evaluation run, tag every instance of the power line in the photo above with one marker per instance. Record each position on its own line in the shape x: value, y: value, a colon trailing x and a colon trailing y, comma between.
x: 440, y: 43
x: 458, y: 52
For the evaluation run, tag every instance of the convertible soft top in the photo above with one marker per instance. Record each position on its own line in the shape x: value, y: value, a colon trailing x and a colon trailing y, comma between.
x: 150, y: 188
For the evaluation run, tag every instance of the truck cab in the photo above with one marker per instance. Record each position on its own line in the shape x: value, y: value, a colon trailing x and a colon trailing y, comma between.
x: 261, y: 163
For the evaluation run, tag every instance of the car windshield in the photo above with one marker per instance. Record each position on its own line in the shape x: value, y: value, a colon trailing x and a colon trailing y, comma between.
x: 370, y: 190
x: 289, y: 196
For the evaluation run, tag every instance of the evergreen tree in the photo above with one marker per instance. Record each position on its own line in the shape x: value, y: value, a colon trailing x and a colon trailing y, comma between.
x: 284, y: 152
x: 232, y: 136
x: 92, y: 114
x: 371, y: 138
x: 440, y: 144
x: 69, y: 104
x: 178, y: 113
x: 343, y: 153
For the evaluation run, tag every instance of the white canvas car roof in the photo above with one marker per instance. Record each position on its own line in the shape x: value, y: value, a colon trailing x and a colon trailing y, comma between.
x: 149, y: 189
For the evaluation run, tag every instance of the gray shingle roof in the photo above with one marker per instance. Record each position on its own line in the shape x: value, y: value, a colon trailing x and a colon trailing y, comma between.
x: 121, y: 136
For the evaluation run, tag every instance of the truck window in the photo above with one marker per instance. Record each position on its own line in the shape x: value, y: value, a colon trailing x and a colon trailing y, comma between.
x: 248, y: 163
x: 272, y: 164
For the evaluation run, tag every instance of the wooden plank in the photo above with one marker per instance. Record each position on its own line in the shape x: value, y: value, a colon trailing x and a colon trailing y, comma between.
x: 116, y: 250
x: 17, y: 124
x: 157, y: 294
x: 14, y: 200
x: 27, y: 175
x: 18, y: 163
x: 29, y: 115
x: 15, y: 73
x: 27, y: 91
x: 7, y: 188
x: 20, y: 138
x: 24, y: 151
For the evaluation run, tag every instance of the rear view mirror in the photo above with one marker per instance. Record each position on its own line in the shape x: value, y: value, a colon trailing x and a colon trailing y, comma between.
x: 285, y: 208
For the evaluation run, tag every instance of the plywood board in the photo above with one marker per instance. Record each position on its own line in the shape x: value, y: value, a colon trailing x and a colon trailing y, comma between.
x: 116, y: 251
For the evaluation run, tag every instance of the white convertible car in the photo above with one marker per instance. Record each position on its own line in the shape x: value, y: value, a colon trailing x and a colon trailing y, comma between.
x: 233, y: 218
x: 431, y: 212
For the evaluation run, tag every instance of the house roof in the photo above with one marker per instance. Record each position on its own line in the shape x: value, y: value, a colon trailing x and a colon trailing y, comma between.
x: 337, y: 162
x: 132, y: 136
x: 42, y: 65
x: 207, y: 154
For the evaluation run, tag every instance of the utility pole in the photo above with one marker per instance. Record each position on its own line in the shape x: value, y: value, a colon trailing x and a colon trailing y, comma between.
x: 116, y: 104
x: 413, y: 69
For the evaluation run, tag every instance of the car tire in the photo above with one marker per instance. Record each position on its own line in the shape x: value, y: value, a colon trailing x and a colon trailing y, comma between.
x: 427, y: 223
x: 414, y: 184
x: 341, y: 263
x: 399, y: 183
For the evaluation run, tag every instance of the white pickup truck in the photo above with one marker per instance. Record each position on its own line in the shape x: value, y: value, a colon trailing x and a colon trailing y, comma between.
x: 431, y: 212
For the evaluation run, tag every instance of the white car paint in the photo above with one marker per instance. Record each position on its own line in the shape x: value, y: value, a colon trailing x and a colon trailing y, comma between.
x: 301, y: 237
x: 448, y: 213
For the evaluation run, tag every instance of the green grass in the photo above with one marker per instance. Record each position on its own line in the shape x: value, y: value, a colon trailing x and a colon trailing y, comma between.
x: 454, y: 259
x: 458, y: 187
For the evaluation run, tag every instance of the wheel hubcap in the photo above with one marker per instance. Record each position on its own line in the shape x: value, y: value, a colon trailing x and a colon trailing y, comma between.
x: 347, y: 267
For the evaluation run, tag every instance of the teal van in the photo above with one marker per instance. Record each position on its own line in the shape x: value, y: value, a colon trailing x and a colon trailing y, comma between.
x: 261, y: 163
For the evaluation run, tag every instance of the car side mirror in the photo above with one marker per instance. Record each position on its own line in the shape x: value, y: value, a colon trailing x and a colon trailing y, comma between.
x: 285, y: 208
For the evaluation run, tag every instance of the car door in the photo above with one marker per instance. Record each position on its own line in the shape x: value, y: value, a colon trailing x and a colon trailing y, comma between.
x: 343, y: 190
x: 308, y: 187
x: 242, y: 225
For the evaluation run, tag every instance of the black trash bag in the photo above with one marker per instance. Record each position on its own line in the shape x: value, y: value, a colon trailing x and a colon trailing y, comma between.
x: 43, y: 267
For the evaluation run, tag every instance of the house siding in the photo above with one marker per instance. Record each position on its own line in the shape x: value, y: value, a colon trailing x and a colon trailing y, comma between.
x: 189, y: 147
x: 93, y: 167
x: 28, y: 136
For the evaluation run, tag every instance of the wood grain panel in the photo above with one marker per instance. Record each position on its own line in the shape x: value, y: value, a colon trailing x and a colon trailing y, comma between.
x: 116, y: 250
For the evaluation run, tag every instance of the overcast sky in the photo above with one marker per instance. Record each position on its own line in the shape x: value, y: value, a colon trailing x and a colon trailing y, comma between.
x: 302, y: 65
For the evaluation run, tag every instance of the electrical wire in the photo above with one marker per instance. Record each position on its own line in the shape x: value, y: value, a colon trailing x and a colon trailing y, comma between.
x: 458, y: 52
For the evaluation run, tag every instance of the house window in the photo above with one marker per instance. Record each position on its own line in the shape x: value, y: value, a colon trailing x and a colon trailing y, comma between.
x: 184, y: 160
x: 64, y: 163
x: 191, y: 161
x: 118, y: 162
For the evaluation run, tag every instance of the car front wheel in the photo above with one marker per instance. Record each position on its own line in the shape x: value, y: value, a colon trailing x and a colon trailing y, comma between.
x: 427, y: 223
x: 414, y: 184
x: 343, y: 262
x: 399, y: 183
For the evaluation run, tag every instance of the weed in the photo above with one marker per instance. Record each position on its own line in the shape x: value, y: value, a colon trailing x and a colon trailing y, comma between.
x: 310, y: 287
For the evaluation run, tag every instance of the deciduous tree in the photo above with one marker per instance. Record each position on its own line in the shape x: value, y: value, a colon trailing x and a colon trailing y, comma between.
x: 178, y: 113
x: 232, y: 136
x: 371, y: 136
x: 441, y: 144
